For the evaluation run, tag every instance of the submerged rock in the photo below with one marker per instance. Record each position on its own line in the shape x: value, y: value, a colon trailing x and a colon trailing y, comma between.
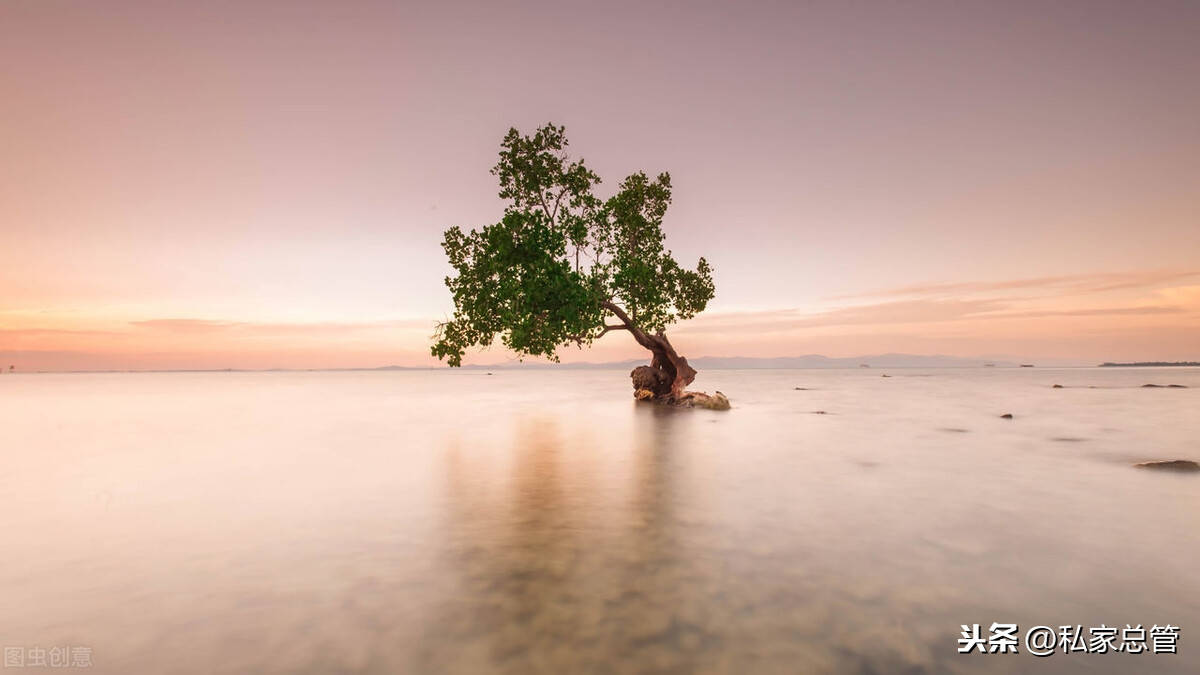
x: 1057, y: 386
x: 717, y: 401
x: 1006, y: 416
x: 689, y: 399
x: 1182, y: 465
x: 1164, y: 386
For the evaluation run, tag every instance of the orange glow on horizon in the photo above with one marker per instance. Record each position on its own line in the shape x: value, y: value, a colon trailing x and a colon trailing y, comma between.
x: 1125, y: 317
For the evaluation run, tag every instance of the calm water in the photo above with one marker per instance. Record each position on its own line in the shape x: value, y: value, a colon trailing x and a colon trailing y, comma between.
x: 454, y: 522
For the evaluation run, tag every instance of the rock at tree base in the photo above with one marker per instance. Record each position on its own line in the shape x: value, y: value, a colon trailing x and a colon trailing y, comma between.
x: 690, y: 399
x: 698, y: 399
x: 654, y: 384
x: 1170, y: 465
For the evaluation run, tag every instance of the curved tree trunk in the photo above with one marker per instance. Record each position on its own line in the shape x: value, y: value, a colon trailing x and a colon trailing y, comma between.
x: 668, y: 374
x: 675, y: 367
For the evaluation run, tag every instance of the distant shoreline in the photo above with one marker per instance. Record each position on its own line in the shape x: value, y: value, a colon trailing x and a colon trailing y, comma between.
x: 1153, y: 364
x: 876, y: 363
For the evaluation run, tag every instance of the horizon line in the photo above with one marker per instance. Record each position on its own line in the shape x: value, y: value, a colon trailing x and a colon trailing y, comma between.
x: 985, y: 363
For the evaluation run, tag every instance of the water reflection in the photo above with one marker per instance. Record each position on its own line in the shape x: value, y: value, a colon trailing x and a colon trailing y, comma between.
x: 556, y: 572
x: 510, y: 553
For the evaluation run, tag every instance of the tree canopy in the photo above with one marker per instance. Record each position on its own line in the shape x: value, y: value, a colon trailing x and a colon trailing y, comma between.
x: 562, y: 260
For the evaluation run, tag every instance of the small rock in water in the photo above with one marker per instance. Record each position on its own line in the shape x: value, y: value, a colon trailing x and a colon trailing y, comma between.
x: 801, y: 388
x: 885, y: 375
x: 1164, y: 386
x: 1185, y: 465
x: 1057, y: 386
x: 1006, y: 416
x: 717, y: 401
x: 820, y: 412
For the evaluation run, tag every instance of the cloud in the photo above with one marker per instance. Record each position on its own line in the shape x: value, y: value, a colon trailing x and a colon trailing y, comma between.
x: 966, y: 311
x: 896, y: 312
x: 1068, y: 284
x: 186, y: 325
x: 249, y: 328
x: 1148, y: 310
x: 49, y: 332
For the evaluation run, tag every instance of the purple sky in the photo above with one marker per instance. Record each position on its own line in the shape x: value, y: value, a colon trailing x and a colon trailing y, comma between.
x: 201, y: 184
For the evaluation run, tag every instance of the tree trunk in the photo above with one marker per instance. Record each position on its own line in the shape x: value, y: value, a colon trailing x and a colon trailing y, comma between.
x: 674, y: 366
x: 668, y: 374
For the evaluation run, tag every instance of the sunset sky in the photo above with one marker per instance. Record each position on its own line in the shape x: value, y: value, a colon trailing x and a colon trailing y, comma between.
x: 264, y: 184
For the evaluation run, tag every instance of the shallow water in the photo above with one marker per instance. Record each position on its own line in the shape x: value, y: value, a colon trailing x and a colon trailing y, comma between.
x: 541, y: 521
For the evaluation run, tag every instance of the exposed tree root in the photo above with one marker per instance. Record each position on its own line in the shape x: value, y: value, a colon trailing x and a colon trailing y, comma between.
x: 655, y: 386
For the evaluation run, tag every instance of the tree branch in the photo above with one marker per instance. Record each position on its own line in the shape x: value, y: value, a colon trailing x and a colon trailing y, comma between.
x: 558, y: 199
x: 638, y: 334
x: 545, y: 209
x: 578, y: 339
x: 617, y: 311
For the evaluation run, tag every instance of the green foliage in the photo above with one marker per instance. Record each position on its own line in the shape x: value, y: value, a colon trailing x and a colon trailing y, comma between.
x: 541, y: 277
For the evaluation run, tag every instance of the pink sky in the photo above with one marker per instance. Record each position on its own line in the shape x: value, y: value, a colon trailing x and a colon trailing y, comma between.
x: 256, y: 185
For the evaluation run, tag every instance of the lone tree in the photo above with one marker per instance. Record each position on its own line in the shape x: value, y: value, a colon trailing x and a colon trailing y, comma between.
x: 565, y: 267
